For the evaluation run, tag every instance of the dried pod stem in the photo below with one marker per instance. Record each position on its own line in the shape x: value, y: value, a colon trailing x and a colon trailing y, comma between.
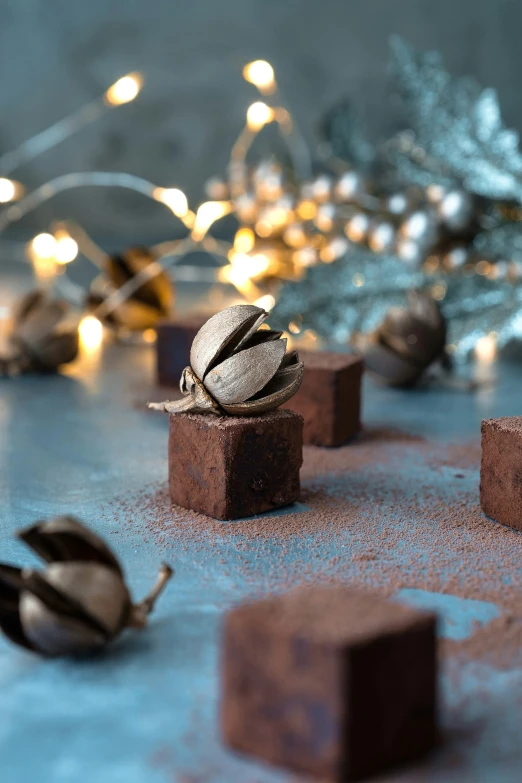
x: 140, y: 612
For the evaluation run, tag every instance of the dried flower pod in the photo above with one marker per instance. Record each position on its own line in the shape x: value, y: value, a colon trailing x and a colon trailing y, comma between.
x: 146, y: 305
x: 79, y: 603
x: 407, y: 342
x: 237, y: 368
x: 43, y: 337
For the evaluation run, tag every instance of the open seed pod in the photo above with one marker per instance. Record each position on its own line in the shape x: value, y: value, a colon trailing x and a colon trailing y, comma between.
x: 43, y: 337
x: 407, y: 342
x: 80, y: 601
x: 237, y: 368
x: 145, y: 306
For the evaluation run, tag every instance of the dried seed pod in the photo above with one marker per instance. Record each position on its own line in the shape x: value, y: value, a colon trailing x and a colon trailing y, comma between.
x: 146, y: 305
x: 43, y: 337
x: 237, y: 368
x: 407, y: 342
x: 80, y: 602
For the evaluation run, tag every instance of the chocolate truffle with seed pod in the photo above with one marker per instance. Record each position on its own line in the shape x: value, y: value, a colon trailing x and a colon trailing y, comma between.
x: 236, y: 368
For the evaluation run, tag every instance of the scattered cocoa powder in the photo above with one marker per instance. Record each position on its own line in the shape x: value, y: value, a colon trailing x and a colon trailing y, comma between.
x: 388, y: 511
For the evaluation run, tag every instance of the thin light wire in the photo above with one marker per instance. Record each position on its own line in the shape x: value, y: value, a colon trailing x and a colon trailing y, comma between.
x: 295, y: 141
x: 236, y: 166
x: 50, y: 189
x: 169, y: 250
x: 145, y: 275
x: 51, y: 137
x: 297, y: 147
x: 174, y: 250
x: 86, y: 245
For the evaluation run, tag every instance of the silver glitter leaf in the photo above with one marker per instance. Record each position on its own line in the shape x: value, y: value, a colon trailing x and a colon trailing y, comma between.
x: 329, y: 302
x: 343, y: 130
x: 503, y: 243
x: 457, y: 126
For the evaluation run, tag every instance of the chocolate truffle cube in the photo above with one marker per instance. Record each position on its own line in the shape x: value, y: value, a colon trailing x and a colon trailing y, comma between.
x: 330, y: 682
x: 235, y: 466
x: 173, y: 342
x: 329, y: 398
x: 501, y: 470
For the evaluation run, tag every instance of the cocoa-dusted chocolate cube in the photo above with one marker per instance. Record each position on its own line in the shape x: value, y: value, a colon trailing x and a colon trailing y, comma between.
x: 329, y: 398
x: 328, y: 681
x: 235, y: 466
x: 501, y: 470
x: 173, y: 342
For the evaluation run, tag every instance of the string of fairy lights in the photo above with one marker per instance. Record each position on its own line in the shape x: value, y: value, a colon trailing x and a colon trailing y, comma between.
x: 288, y: 219
x: 49, y: 253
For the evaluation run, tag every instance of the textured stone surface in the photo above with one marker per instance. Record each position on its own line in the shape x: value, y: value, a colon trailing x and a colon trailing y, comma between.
x: 146, y: 710
x: 230, y: 467
x: 329, y: 682
x: 329, y: 398
x: 501, y: 470
x: 174, y: 339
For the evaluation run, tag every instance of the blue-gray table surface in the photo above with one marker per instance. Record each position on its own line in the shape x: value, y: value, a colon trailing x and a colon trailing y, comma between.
x: 145, y: 712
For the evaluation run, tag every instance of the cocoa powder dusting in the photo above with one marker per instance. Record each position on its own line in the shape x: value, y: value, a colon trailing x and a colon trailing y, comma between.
x: 388, y: 511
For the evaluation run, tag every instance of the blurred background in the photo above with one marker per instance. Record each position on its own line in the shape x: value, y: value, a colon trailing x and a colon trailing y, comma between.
x: 57, y: 55
x: 365, y: 157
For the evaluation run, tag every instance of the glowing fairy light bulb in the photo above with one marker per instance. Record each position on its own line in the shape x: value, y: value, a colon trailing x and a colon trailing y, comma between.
x: 305, y: 257
x: 259, y: 115
x: 237, y: 273
x: 259, y: 264
x: 295, y: 236
x: 336, y: 248
x: 65, y: 249
x: 9, y: 190
x: 208, y: 213
x: 43, y: 246
x: 307, y: 210
x: 243, y: 269
x: 261, y: 74
x: 266, y: 302
x: 40, y: 251
x: 91, y: 334
x: 174, y: 199
x: 124, y: 90
x: 486, y: 348
x: 244, y: 240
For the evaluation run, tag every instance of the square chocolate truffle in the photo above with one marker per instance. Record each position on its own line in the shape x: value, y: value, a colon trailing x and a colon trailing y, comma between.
x: 328, y: 681
x: 329, y: 398
x: 235, y: 466
x: 501, y: 470
x: 173, y: 342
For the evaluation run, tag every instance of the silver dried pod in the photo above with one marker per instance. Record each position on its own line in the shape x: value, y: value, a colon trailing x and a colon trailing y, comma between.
x: 408, y: 341
x: 237, y: 368
x: 80, y: 602
x: 148, y: 304
x: 44, y: 335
